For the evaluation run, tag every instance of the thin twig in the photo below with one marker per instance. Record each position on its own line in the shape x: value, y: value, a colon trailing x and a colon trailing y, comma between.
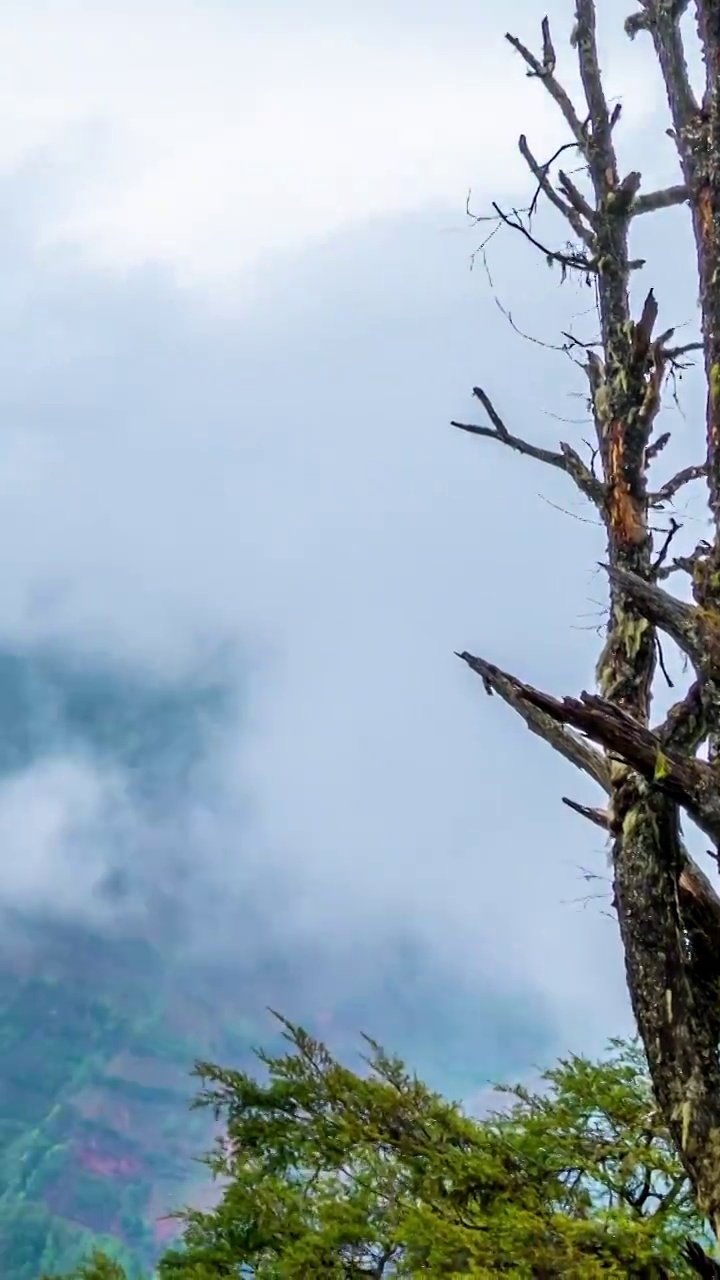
x: 663, y: 552
x: 568, y: 261
x: 540, y: 173
x: 545, y: 168
x: 661, y: 662
x: 529, y: 337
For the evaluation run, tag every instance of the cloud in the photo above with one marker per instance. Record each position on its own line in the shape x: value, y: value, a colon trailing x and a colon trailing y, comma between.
x: 286, y: 493
x: 277, y: 484
x: 210, y: 138
x: 54, y: 820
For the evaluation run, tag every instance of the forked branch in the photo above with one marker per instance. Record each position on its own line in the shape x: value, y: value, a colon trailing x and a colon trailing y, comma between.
x: 678, y: 482
x: 545, y: 72
x: 569, y: 211
x: 567, y: 459
x: 568, y: 259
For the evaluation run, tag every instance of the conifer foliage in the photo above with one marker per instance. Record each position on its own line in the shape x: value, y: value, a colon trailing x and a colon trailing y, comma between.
x: 326, y: 1171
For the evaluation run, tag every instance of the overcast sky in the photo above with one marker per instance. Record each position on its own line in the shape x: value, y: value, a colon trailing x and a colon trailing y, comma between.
x: 237, y: 314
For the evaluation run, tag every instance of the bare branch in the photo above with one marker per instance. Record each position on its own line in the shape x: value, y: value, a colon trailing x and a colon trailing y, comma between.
x: 661, y: 662
x: 599, y: 817
x: 687, y: 782
x: 662, y: 554
x: 673, y: 486
x: 645, y: 325
x: 576, y: 198
x: 549, y: 55
x: 546, y: 167
x: 569, y: 261
x: 677, y: 619
x: 566, y: 460
x: 540, y: 173
x: 664, y: 199
x: 601, y: 152
x: 657, y: 446
x: 685, y: 564
x: 566, y: 743
x: 555, y: 89
x: 672, y: 354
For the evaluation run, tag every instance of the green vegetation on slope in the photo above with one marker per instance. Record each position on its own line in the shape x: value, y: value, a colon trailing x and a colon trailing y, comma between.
x: 33, y: 1241
x: 96, y: 1142
x: 97, y: 1033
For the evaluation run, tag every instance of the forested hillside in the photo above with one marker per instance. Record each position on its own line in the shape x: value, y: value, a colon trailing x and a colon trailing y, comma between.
x: 95, y: 1132
x: 98, y: 1028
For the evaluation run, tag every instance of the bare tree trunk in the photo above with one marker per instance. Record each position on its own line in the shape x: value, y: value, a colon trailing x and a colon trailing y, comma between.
x: 668, y: 910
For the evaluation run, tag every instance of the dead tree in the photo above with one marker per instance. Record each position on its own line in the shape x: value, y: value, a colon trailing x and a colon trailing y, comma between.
x: 653, y: 775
